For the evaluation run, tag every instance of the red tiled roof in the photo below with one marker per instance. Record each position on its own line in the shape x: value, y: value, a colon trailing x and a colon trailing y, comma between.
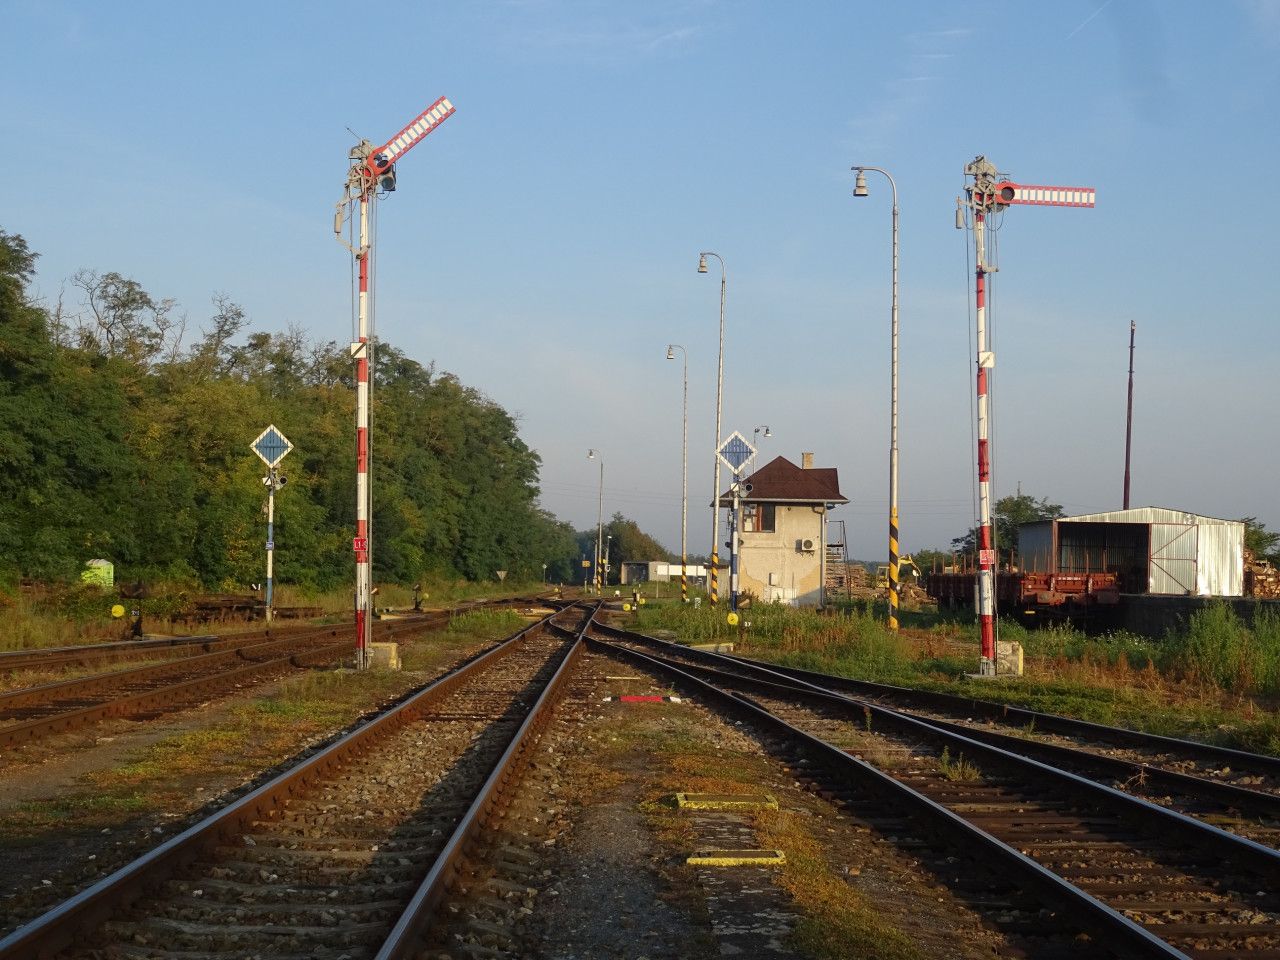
x: 781, y: 481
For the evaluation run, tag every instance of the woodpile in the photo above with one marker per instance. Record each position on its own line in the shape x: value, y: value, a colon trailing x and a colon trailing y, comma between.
x: 1261, y: 579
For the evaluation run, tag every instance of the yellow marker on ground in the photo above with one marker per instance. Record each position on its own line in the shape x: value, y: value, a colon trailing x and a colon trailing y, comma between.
x: 737, y: 858
x: 726, y: 801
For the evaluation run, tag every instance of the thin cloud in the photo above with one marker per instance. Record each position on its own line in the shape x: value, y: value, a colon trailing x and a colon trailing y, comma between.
x: 592, y: 30
x: 909, y: 94
x: 1087, y: 20
x: 1265, y: 18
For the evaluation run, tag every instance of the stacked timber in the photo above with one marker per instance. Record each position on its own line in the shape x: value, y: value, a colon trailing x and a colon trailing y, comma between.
x: 1261, y: 579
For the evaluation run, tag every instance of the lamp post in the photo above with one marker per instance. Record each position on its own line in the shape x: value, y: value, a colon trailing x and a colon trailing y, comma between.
x: 684, y: 473
x: 860, y: 190
x: 755, y: 442
x: 715, y: 493
x: 594, y: 454
x: 607, y: 544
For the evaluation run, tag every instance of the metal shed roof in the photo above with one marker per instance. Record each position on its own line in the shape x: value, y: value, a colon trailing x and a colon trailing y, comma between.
x: 1146, y: 515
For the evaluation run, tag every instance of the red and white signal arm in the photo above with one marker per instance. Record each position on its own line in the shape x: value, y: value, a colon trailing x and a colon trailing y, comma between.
x: 360, y: 544
x: 1008, y: 192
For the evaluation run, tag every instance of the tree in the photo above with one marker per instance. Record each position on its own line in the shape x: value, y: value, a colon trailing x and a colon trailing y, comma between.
x: 1009, y: 514
x: 1260, y: 541
x: 66, y: 469
x: 116, y: 443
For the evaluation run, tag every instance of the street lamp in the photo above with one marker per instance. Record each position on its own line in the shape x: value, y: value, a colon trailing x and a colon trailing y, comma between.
x: 755, y: 441
x: 860, y: 190
x: 715, y: 493
x: 594, y: 454
x: 684, y: 473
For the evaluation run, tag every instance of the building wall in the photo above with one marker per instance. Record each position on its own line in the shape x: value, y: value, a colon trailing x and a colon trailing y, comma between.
x: 662, y: 572
x: 770, y: 565
x: 1177, y: 553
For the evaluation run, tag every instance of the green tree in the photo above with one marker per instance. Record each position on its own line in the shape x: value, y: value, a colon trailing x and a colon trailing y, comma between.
x: 1260, y: 541
x: 1009, y: 514
x: 115, y: 442
x: 66, y: 470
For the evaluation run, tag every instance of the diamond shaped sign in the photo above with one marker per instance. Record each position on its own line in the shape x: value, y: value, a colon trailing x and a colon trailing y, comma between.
x: 735, y: 452
x: 271, y: 446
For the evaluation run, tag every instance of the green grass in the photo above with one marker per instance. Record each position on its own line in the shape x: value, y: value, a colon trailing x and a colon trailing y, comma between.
x: 247, y: 739
x: 1202, y: 683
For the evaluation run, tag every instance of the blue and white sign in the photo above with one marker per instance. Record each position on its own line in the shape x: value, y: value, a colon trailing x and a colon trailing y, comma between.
x: 735, y: 452
x: 271, y: 446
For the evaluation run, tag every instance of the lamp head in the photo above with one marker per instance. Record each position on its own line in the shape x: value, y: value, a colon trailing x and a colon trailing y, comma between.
x: 702, y: 263
x: 860, y: 184
x: 671, y: 352
x: 591, y: 454
x: 768, y: 432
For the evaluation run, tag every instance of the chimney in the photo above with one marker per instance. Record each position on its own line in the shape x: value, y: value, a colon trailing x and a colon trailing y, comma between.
x: 806, y: 461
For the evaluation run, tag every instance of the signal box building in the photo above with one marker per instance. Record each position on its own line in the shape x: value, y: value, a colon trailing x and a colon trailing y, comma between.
x: 1153, y: 550
x: 782, y: 531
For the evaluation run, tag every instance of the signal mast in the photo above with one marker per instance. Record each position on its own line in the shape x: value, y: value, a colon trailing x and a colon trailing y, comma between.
x: 989, y: 194
x: 372, y: 172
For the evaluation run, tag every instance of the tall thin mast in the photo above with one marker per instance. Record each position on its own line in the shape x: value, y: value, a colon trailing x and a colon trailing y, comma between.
x: 989, y: 194
x: 1128, y: 420
x: 372, y: 171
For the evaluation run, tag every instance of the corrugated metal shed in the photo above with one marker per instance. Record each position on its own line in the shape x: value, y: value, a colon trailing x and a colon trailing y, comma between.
x: 1180, y: 553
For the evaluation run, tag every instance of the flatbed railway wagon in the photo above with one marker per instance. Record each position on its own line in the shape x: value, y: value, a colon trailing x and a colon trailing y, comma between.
x: 1031, y: 596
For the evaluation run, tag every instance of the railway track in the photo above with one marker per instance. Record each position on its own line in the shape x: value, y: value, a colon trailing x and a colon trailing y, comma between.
x: 1250, y: 770
x: 49, y: 659
x: 346, y: 854
x: 1150, y: 879
x: 30, y: 714
x: 1231, y: 789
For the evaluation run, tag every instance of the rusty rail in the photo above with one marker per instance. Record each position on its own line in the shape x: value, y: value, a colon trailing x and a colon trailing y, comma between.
x: 60, y: 927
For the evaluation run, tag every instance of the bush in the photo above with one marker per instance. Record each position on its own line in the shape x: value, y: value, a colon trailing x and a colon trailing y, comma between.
x: 1216, y: 648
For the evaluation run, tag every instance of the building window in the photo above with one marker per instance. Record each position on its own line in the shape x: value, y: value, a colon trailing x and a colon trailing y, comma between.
x: 758, y: 517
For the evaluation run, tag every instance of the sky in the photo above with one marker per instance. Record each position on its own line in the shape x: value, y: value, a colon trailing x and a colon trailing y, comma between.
x: 544, y: 240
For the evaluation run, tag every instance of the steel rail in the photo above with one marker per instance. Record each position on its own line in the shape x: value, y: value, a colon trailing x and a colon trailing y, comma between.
x: 1020, y: 716
x: 157, y: 697
x: 1148, y: 816
x: 30, y: 730
x: 46, y: 692
x: 1255, y: 801
x: 42, y: 658
x: 1114, y: 929
x: 60, y: 927
x: 414, y: 923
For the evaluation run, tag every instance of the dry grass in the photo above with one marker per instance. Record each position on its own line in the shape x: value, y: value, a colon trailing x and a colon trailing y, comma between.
x: 178, y: 773
x: 838, y: 923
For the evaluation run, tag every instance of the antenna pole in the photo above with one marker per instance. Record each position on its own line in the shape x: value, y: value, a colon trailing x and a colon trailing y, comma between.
x: 1128, y: 423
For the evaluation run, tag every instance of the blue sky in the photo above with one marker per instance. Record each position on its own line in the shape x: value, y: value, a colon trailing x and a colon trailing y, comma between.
x: 543, y: 241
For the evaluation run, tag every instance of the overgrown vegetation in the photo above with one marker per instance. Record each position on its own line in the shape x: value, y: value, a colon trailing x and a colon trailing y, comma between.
x: 123, y: 437
x: 245, y: 740
x: 1218, y: 679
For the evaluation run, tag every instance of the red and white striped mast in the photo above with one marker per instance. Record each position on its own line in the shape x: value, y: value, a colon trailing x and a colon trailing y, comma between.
x: 990, y: 194
x: 372, y: 173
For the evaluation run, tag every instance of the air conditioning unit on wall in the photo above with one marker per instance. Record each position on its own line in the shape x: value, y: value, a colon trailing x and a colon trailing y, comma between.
x: 804, y: 546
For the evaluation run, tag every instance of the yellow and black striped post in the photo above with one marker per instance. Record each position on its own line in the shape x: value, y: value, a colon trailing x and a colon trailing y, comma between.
x: 684, y: 580
x: 893, y: 569
x: 713, y: 578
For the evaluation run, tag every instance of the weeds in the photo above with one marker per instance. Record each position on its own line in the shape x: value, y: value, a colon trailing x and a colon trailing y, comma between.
x: 958, y: 770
